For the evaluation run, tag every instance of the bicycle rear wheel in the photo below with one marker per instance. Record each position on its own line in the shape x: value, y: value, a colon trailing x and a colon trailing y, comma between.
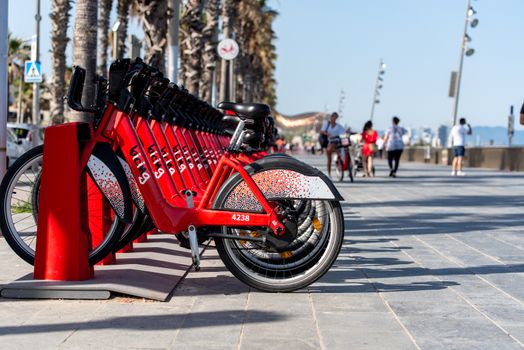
x: 319, y: 237
x: 19, y: 193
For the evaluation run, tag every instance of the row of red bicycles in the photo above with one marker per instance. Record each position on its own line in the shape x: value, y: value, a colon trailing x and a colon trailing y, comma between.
x: 160, y: 158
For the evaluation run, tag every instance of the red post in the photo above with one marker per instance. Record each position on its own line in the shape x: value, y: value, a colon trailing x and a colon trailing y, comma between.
x: 99, y: 218
x: 62, y: 243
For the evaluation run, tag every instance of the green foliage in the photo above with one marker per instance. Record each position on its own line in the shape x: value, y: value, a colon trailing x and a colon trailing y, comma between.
x: 22, y: 207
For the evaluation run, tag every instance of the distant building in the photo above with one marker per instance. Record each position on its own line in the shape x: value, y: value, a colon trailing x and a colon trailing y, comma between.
x: 443, y: 135
x: 425, y: 136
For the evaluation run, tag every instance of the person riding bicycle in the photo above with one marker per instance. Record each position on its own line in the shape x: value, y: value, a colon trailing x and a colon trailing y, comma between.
x: 332, y: 130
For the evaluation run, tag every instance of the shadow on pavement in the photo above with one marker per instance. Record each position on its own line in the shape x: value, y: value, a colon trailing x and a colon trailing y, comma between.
x: 434, y: 223
x: 153, y: 322
x: 416, y: 180
x: 375, y: 287
x: 450, y: 201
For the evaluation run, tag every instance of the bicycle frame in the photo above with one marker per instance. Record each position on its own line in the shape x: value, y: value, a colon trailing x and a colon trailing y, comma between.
x: 171, y: 211
x: 343, y: 153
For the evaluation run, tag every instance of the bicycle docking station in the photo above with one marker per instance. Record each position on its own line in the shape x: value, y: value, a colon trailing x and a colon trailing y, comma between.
x: 150, y: 269
x: 152, y: 146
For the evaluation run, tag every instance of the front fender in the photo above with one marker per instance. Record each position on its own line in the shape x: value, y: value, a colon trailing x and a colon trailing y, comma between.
x: 280, y: 178
x: 110, y: 177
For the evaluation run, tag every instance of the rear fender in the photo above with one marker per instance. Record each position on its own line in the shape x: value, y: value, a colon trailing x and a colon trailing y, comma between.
x: 133, y: 186
x: 280, y: 178
x: 110, y: 177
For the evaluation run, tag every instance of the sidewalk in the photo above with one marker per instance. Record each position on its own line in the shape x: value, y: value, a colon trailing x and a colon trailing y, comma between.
x: 429, y: 262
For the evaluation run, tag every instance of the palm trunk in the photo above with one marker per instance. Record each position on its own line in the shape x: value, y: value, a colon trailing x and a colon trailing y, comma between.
x: 209, y: 57
x: 154, y: 15
x: 267, y: 54
x: 103, y: 32
x: 84, y: 45
x: 20, y: 95
x: 59, y: 23
x: 248, y: 20
x: 122, y: 10
x: 191, y: 48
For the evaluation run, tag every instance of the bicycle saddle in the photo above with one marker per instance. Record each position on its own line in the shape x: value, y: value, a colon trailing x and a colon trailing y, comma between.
x: 252, y: 111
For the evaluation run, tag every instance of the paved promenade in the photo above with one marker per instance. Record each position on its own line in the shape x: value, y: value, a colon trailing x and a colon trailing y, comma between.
x: 429, y: 262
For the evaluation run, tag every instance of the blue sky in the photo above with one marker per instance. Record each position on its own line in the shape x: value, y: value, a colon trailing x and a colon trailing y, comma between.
x: 326, y: 46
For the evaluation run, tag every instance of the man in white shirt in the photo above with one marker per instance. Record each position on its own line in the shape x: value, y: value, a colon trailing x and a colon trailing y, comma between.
x: 458, y: 142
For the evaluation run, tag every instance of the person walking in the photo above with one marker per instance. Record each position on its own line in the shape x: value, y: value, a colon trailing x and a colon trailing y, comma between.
x: 331, y: 129
x: 522, y: 115
x: 380, y: 147
x: 369, y: 138
x: 394, y: 145
x: 458, y: 142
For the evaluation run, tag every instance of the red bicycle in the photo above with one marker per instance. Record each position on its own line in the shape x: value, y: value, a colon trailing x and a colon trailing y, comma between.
x: 276, y: 222
x: 343, y: 162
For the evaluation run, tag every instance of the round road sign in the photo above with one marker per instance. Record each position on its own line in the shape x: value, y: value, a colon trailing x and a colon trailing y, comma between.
x: 228, y: 49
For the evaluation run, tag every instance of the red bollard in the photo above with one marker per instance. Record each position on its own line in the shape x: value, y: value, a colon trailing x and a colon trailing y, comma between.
x: 62, y: 243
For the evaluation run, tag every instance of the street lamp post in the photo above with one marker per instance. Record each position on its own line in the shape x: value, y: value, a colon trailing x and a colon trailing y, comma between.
x: 36, y: 86
x: 3, y: 86
x: 378, y: 86
x: 464, y: 51
x: 341, y: 101
x: 114, y: 33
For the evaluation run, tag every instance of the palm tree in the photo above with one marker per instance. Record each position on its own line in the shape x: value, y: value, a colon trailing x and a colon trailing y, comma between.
x: 59, y: 23
x: 267, y: 53
x: 154, y: 15
x: 17, y: 54
x: 84, y: 45
x: 191, y: 27
x: 209, y: 56
x: 103, y: 35
x: 248, y: 63
x: 122, y: 11
x: 256, y: 61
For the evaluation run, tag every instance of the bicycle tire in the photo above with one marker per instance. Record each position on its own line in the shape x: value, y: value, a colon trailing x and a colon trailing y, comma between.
x: 7, y: 225
x: 339, y: 170
x: 314, y: 255
x: 133, y: 231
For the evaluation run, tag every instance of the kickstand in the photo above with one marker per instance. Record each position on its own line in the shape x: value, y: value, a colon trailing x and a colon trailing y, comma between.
x: 191, y: 230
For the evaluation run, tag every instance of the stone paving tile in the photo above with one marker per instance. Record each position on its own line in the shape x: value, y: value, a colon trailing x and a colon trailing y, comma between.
x: 50, y: 326
x: 429, y: 262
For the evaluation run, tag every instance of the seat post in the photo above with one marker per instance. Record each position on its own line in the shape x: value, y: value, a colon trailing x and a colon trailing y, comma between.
x: 236, y: 135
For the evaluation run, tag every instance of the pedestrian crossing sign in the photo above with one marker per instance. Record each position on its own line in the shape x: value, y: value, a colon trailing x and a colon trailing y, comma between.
x: 33, y: 74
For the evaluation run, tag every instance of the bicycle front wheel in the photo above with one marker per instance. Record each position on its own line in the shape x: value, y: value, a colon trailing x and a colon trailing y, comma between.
x: 19, y: 193
x: 339, y: 168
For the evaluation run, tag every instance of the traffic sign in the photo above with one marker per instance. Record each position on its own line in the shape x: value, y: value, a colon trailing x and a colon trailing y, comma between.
x: 33, y: 73
x: 228, y: 49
